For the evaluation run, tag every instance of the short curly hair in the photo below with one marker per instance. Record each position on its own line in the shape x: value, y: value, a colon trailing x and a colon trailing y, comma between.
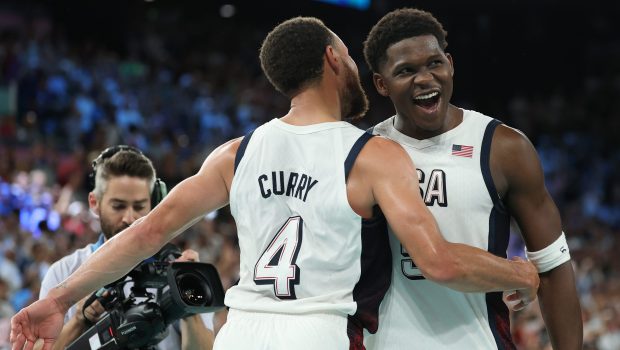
x: 291, y: 55
x: 396, y: 26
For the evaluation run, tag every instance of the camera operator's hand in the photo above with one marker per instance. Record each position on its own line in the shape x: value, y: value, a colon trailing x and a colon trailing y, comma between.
x: 194, y: 334
x: 91, y: 314
x: 188, y: 255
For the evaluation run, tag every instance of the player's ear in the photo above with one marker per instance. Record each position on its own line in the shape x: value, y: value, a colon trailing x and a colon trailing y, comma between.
x: 449, y: 57
x: 380, y: 85
x: 332, y: 58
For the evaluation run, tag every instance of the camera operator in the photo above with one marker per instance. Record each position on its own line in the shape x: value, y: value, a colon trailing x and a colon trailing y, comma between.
x: 124, y: 186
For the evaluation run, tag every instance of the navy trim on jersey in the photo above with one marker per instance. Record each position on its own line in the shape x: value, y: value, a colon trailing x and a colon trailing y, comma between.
x: 354, y: 152
x: 375, y: 273
x: 485, y: 156
x: 355, y: 333
x: 371, y: 130
x: 499, y: 234
x: 499, y: 321
x: 498, y: 314
x: 241, y: 149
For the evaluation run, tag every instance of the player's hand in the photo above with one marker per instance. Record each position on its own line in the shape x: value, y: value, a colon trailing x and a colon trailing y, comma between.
x: 519, y: 299
x: 41, y: 320
x: 91, y: 313
x: 188, y: 255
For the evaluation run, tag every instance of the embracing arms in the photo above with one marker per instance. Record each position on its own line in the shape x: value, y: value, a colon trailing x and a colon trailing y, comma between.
x: 394, y: 186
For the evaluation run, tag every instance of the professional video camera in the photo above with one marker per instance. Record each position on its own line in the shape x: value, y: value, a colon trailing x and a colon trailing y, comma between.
x: 163, y: 291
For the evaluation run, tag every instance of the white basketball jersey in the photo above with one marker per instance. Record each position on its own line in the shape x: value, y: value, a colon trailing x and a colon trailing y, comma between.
x: 301, y: 243
x: 456, y: 185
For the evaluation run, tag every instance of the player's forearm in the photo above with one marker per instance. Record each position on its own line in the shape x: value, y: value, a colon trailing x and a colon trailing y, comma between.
x: 560, y: 308
x: 109, y: 263
x: 470, y: 269
x: 194, y: 334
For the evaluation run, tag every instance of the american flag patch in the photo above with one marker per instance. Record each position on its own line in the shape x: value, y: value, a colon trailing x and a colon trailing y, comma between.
x: 462, y: 151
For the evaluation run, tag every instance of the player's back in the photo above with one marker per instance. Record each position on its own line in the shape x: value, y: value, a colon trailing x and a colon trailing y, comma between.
x: 301, y: 243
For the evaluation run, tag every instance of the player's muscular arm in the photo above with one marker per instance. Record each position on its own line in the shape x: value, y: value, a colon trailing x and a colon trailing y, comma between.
x: 388, y: 174
x: 186, y: 203
x: 519, y: 178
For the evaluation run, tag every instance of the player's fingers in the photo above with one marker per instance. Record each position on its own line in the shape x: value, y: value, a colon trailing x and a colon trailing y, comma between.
x: 516, y: 258
x: 523, y: 303
x: 16, y: 330
x: 516, y: 306
x: 529, y: 300
x: 18, y: 342
x: 29, y: 345
x: 519, y: 306
x: 48, y: 345
x: 514, y: 296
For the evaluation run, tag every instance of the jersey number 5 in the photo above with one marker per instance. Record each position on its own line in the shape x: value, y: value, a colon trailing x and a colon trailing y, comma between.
x: 277, y: 263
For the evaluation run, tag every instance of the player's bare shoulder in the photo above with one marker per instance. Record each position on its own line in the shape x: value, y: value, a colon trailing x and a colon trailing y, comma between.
x: 382, y: 155
x: 229, y: 148
x: 379, y: 161
x: 513, y: 156
x: 222, y: 160
x: 508, y: 140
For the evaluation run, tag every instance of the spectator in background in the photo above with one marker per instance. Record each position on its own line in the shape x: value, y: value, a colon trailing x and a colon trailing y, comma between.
x: 9, y: 270
x: 6, y: 312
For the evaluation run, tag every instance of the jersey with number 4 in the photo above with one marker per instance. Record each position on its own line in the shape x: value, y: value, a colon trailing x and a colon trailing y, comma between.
x: 302, y: 246
x: 456, y: 185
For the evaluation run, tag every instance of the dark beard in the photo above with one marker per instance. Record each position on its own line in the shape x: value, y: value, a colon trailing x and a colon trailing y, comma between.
x: 108, y: 230
x: 354, y: 100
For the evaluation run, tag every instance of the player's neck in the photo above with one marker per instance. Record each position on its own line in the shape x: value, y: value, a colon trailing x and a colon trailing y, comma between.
x: 312, y: 106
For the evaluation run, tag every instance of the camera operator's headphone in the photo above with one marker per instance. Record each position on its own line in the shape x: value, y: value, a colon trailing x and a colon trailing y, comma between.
x: 159, y: 189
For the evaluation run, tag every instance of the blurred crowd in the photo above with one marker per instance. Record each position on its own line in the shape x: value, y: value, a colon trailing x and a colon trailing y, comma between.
x: 63, y: 102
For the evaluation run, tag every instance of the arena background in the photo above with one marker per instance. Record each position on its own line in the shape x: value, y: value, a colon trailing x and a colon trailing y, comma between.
x: 178, y: 78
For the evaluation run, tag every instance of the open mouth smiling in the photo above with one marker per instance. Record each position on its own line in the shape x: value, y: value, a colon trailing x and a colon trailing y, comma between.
x: 428, y: 101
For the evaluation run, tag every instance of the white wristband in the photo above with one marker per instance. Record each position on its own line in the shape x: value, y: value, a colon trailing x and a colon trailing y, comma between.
x: 550, y: 257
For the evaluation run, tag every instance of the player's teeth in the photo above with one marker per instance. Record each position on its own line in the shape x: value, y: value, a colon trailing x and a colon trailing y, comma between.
x: 427, y: 96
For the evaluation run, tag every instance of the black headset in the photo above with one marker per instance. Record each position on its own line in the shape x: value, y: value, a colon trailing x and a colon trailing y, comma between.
x: 159, y: 189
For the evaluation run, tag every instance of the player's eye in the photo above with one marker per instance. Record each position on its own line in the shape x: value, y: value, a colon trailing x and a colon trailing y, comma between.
x: 435, y: 63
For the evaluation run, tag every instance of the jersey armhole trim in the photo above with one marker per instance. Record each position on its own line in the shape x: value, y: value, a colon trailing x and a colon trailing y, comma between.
x: 241, y: 149
x: 354, y: 152
x: 485, y: 167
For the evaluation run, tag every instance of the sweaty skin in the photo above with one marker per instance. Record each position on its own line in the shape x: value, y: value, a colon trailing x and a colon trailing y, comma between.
x: 383, y: 174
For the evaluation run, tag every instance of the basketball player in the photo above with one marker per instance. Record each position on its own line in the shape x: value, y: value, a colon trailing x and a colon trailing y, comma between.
x: 475, y: 173
x: 299, y: 188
